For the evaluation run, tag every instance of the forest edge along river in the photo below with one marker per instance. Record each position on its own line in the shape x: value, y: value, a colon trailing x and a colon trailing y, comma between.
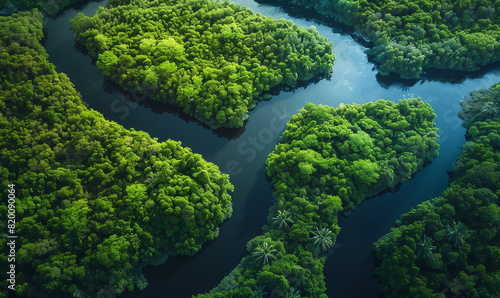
x: 243, y: 152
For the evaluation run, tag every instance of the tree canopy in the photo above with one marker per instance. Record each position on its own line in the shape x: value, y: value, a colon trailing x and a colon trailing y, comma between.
x: 352, y: 152
x: 328, y: 161
x: 451, y: 244
x: 213, y: 59
x: 95, y: 202
x: 410, y: 36
x: 480, y: 105
x: 47, y: 7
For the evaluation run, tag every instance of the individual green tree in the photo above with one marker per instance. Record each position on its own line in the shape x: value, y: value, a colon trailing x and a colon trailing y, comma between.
x: 282, y: 219
x: 259, y: 292
x: 457, y: 233
x: 264, y: 253
x: 323, y: 239
x: 292, y: 293
x: 425, y: 247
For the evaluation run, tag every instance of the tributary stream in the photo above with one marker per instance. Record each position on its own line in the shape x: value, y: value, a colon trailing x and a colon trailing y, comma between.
x: 242, y: 153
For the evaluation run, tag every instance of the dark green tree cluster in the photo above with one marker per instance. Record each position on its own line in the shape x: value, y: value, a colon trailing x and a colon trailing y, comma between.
x: 95, y: 202
x: 450, y: 246
x: 351, y: 152
x: 328, y: 161
x: 481, y: 105
x: 273, y: 270
x: 410, y: 36
x: 212, y: 59
x: 47, y: 7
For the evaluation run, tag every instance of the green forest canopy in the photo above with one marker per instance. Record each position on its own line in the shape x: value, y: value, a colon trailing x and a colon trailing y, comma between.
x: 212, y: 59
x: 47, y: 7
x: 328, y: 161
x: 481, y: 105
x: 410, y: 36
x: 94, y: 202
x: 451, y: 244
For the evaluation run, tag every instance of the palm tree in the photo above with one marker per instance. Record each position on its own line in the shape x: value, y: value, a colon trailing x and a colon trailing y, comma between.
x: 323, y: 239
x: 259, y: 292
x: 489, y: 109
x: 229, y: 283
x: 457, y: 233
x: 264, y: 253
x: 292, y: 293
x: 425, y: 247
x: 282, y: 219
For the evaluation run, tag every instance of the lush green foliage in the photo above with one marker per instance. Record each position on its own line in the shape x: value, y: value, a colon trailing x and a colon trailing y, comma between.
x: 292, y: 293
x: 95, y: 202
x: 264, y: 253
x: 451, y: 245
x: 481, y: 105
x: 47, y: 7
x: 282, y: 219
x: 323, y: 239
x: 328, y: 160
x: 351, y: 152
x: 212, y: 59
x: 410, y: 36
x: 290, y: 271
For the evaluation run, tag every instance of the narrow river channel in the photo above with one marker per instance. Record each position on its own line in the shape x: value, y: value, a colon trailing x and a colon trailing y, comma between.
x: 354, y: 80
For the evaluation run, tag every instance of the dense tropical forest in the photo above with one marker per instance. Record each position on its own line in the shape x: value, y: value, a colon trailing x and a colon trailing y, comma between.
x: 47, y: 7
x: 411, y: 36
x: 451, y: 244
x: 95, y: 202
x: 408, y: 36
x: 214, y: 60
x: 328, y: 161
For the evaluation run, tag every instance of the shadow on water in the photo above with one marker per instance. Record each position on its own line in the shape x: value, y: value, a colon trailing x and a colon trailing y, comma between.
x: 78, y: 6
x: 159, y: 108
x: 309, y: 14
x: 392, y: 80
x: 457, y: 77
x: 435, y: 75
x: 235, y: 232
x: 259, y: 198
x: 351, y: 264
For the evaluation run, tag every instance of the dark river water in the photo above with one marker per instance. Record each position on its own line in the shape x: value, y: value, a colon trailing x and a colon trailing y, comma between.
x: 242, y: 153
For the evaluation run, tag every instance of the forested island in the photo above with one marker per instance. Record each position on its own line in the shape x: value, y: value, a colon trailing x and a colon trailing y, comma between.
x: 94, y: 202
x: 451, y: 244
x: 328, y: 161
x: 213, y: 59
x: 411, y: 36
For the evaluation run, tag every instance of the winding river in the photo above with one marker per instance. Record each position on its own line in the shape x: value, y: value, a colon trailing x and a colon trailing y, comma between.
x: 242, y: 153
